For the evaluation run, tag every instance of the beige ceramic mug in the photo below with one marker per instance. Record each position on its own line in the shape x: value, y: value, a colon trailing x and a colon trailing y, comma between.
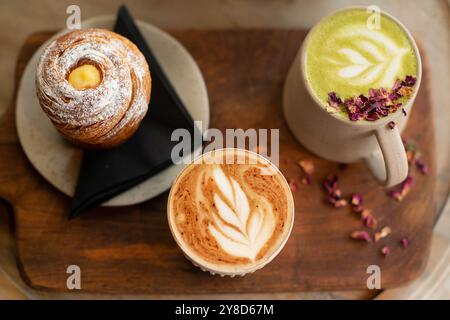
x: 338, y: 139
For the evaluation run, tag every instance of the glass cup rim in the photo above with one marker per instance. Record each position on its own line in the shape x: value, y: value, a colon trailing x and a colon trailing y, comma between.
x: 211, y: 267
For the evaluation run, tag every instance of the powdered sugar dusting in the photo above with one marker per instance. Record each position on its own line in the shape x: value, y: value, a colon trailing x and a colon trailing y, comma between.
x: 101, y: 112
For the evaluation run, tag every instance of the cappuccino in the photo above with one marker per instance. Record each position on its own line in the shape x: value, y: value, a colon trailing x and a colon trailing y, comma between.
x: 230, y: 217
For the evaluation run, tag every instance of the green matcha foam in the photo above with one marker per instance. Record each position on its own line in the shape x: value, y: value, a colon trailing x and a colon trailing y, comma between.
x: 345, y: 56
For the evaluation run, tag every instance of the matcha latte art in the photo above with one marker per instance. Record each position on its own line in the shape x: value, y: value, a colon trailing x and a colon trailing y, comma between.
x: 346, y: 57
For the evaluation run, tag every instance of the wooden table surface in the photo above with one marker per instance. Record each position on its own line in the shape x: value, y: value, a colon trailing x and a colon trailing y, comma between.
x: 27, y: 17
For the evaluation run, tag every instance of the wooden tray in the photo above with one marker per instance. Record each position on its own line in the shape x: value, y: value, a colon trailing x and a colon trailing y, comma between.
x: 130, y: 249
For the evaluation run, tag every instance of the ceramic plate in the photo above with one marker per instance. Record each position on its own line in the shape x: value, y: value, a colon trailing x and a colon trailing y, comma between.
x: 58, y: 161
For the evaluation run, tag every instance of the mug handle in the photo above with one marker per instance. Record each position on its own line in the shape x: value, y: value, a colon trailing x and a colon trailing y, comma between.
x: 390, y: 166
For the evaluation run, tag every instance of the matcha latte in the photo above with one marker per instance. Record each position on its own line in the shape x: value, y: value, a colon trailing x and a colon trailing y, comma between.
x: 346, y: 57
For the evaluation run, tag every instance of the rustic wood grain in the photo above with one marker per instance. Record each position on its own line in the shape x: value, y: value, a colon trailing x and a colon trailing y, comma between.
x: 130, y: 249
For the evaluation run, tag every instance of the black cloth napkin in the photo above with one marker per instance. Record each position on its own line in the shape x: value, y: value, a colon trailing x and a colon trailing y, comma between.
x: 107, y: 173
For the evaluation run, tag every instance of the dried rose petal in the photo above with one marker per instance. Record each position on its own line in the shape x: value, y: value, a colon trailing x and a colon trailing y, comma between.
x: 354, y: 116
x: 334, y: 193
x: 361, y: 101
x: 368, y: 219
x: 307, y: 166
x: 336, y: 200
x: 396, y: 194
x: 423, y: 168
x: 354, y: 113
x: 361, y: 235
x: 338, y: 203
x: 382, y: 234
x: 351, y: 106
x: 363, y: 98
x: 397, y: 85
x: 330, y: 183
x: 293, y: 185
x: 405, y: 242
x: 411, y: 156
x: 405, y: 91
x: 377, y: 94
x: 391, y: 125
x: 400, y: 191
x: 411, y: 151
x: 409, y: 81
x: 333, y: 100
x: 357, y: 199
x: 308, y: 169
x: 379, y: 103
x: 306, y: 179
x: 392, y: 97
x: 372, y: 116
x: 381, y: 109
x: 385, y: 251
x: 337, y: 194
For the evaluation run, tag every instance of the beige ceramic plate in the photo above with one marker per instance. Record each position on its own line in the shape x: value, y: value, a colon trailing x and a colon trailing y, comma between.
x: 59, y: 162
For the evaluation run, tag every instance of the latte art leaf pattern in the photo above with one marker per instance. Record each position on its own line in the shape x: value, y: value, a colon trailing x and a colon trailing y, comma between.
x: 345, y: 56
x: 371, y: 58
x: 230, y: 217
x: 239, y: 231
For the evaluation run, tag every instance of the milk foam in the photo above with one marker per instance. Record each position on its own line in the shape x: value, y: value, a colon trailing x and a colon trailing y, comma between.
x: 238, y: 230
x: 375, y: 58
x: 345, y: 56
